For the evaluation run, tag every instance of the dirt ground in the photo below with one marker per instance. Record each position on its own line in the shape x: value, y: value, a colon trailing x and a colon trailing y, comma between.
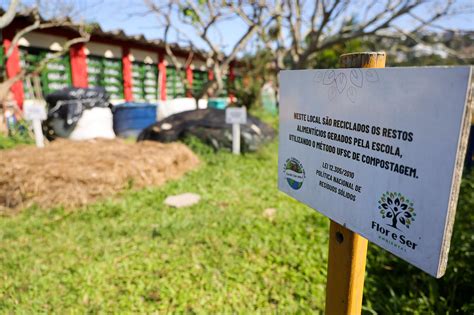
x: 72, y: 173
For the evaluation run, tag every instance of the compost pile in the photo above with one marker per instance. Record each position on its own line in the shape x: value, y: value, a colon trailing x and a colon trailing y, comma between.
x: 209, y: 126
x: 72, y: 173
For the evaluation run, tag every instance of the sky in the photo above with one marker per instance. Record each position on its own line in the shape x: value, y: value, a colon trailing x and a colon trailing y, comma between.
x: 131, y: 16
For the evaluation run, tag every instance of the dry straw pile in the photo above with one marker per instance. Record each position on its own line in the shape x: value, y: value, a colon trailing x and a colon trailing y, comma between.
x: 75, y: 173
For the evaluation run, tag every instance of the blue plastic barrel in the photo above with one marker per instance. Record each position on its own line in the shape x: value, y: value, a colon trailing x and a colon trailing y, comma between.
x: 131, y: 118
x: 218, y: 103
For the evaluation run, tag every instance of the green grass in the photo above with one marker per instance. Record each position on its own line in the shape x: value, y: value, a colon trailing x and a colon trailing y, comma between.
x: 9, y: 142
x: 133, y: 254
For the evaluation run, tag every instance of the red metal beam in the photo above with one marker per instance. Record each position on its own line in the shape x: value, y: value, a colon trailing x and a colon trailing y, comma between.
x: 78, y: 65
x: 162, y: 75
x: 13, y: 67
x: 127, y: 74
x: 189, y: 78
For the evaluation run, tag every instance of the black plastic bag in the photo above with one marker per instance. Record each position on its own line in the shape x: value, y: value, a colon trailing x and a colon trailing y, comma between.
x: 65, y: 108
x: 209, y: 126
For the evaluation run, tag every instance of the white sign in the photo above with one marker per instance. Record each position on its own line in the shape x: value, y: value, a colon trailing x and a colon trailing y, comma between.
x: 236, y: 115
x: 34, y: 112
x: 376, y: 150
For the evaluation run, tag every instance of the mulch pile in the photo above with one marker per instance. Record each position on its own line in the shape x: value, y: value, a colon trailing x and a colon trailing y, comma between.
x: 72, y: 174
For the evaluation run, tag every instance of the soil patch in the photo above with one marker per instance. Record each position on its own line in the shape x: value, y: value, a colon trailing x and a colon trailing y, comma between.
x: 72, y: 173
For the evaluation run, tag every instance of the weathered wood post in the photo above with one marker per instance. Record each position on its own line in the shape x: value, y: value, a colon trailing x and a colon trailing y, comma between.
x: 348, y: 250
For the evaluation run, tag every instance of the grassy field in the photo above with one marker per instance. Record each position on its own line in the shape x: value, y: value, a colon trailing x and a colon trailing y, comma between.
x: 133, y: 254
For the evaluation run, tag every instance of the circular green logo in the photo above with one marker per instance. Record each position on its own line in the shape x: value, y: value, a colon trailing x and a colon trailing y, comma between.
x: 294, y: 173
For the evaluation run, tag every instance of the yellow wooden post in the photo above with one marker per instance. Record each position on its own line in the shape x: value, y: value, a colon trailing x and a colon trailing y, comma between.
x: 348, y: 250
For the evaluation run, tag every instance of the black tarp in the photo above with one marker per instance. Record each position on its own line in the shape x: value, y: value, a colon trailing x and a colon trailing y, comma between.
x: 65, y: 108
x: 209, y: 126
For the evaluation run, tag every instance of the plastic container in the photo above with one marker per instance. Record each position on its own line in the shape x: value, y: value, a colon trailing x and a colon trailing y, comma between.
x: 269, y: 99
x: 131, y: 118
x: 218, y: 103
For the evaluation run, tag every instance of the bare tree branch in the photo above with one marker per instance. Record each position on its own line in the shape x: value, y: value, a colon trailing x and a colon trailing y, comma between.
x: 37, y: 25
x: 9, y: 15
x: 26, y: 73
x: 84, y: 37
x: 205, y: 18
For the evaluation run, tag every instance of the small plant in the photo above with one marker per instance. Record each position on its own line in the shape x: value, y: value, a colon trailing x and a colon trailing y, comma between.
x: 198, y: 146
x: 18, y: 135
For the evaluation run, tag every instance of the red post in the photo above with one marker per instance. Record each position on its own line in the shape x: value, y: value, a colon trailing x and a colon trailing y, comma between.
x: 127, y: 74
x: 79, y: 65
x: 162, y: 74
x: 13, y: 67
x: 210, y: 77
x: 189, y: 77
x: 231, y: 82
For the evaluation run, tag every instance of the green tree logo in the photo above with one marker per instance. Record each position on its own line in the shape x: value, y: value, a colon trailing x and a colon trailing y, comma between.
x: 397, y: 208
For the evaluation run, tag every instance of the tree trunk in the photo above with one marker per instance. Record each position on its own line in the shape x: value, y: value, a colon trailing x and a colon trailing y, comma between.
x: 394, y: 220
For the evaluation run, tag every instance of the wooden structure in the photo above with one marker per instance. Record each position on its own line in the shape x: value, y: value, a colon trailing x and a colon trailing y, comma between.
x: 348, y: 250
x: 131, y: 68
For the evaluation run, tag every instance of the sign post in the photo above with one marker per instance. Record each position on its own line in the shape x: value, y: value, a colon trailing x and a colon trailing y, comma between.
x: 36, y: 113
x: 348, y: 250
x: 380, y: 153
x: 236, y: 116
